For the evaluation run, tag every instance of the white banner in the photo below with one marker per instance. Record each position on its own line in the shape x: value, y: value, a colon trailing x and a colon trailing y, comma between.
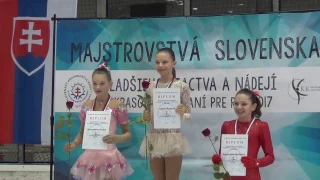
x: 212, y: 91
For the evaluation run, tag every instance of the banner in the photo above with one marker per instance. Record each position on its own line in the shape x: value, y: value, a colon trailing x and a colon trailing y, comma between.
x: 26, y: 68
x: 274, y: 54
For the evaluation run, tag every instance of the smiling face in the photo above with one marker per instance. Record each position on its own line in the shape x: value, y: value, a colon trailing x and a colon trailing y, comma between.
x: 243, y: 106
x: 164, y: 63
x: 101, y: 85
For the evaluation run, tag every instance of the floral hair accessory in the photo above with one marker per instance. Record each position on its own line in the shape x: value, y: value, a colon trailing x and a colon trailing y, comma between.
x: 103, y: 66
x: 256, y: 93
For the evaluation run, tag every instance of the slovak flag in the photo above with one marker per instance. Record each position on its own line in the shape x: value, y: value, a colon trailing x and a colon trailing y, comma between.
x: 26, y: 68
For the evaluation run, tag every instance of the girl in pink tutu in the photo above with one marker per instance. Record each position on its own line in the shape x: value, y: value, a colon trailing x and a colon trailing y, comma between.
x: 103, y: 164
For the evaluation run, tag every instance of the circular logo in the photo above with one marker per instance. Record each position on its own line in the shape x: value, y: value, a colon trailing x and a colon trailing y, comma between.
x: 233, y: 157
x: 166, y: 112
x: 96, y: 132
x: 77, y: 89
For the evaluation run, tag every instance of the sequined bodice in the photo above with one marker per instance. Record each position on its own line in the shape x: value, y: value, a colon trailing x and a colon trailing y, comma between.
x: 185, y: 100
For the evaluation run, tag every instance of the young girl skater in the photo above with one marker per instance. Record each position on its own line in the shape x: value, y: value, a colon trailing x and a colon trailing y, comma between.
x: 247, y: 107
x: 103, y: 164
x: 166, y: 146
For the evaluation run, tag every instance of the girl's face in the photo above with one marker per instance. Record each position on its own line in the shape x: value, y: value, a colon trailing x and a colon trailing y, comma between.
x: 243, y: 106
x: 101, y: 85
x: 164, y: 63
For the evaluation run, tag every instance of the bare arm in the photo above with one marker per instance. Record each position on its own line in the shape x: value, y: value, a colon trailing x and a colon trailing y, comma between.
x: 78, y: 140
x: 123, y: 120
x: 126, y: 134
x: 185, y: 100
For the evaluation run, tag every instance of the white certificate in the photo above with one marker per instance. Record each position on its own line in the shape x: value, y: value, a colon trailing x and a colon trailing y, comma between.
x: 165, y: 102
x: 233, y: 147
x: 96, y: 127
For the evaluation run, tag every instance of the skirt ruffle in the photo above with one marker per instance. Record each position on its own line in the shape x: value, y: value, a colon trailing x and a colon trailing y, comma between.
x: 164, y: 145
x: 101, y: 165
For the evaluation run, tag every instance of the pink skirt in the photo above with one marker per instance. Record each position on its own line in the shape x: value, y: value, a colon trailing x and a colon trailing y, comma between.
x: 101, y: 165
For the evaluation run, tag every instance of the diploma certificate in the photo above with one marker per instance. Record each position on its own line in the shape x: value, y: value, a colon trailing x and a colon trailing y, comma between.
x: 165, y: 102
x: 96, y: 127
x: 233, y: 147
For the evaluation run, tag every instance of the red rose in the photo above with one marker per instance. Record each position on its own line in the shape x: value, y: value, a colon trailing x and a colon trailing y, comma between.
x: 206, y: 132
x: 69, y: 104
x: 216, y: 159
x: 145, y: 84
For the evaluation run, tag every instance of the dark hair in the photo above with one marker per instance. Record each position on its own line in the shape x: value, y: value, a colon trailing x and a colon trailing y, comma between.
x: 171, y: 53
x: 103, y: 69
x: 254, y: 100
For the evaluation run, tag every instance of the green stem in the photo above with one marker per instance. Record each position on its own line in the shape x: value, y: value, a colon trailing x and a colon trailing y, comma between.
x: 217, y: 153
x: 213, y: 145
x: 145, y: 132
x: 69, y: 143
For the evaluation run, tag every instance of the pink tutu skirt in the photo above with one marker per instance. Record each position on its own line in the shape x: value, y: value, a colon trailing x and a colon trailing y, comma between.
x: 101, y: 165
